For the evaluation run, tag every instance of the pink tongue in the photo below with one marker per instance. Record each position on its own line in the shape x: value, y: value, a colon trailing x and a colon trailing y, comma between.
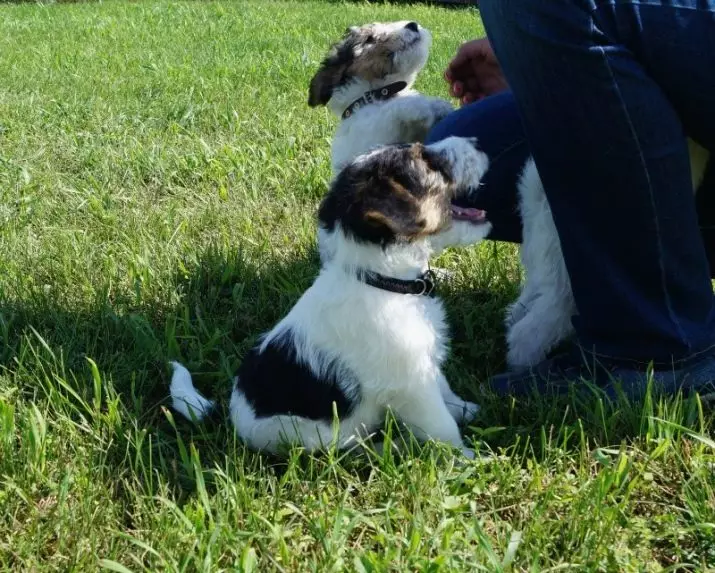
x: 468, y: 214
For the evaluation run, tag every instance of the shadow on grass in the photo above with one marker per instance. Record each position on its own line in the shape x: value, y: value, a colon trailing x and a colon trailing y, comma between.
x: 219, y: 305
x: 222, y: 303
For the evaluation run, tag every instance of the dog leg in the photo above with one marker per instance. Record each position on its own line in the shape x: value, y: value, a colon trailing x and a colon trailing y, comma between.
x: 546, y: 324
x: 521, y: 307
x: 461, y: 410
x: 541, y: 317
x: 429, y: 419
x: 419, y: 113
x: 440, y: 108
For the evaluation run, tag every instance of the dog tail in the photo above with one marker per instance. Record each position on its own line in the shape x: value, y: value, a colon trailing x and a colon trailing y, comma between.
x: 186, y: 399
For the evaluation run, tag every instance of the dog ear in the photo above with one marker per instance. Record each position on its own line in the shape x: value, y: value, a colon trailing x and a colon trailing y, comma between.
x: 332, y: 70
x: 436, y: 161
x: 391, y: 226
x: 323, y: 84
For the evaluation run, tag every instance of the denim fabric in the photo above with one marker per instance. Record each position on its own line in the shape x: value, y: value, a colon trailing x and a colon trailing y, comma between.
x: 606, y: 91
x: 495, y: 122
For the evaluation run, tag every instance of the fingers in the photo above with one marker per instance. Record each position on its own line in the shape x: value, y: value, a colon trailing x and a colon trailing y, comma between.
x: 465, y: 53
x: 460, y: 73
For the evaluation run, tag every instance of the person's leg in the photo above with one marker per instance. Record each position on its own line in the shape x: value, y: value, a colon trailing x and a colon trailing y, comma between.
x: 610, y: 148
x: 495, y: 123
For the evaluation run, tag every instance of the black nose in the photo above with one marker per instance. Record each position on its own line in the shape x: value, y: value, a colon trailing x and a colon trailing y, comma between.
x: 413, y: 26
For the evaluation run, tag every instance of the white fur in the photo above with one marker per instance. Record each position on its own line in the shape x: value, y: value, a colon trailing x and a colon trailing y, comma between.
x: 185, y: 399
x: 405, y: 118
x: 541, y: 317
x: 392, y: 345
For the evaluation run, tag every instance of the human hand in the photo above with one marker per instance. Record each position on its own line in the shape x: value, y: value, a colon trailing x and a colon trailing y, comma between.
x: 474, y: 73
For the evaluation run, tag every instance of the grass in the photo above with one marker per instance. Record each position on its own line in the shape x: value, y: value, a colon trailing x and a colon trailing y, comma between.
x: 159, y: 174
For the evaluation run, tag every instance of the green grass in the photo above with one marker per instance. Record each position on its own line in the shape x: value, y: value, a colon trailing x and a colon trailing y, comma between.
x: 159, y: 174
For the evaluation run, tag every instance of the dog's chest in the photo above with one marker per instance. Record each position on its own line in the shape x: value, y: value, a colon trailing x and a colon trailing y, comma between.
x: 422, y: 327
x: 372, y: 128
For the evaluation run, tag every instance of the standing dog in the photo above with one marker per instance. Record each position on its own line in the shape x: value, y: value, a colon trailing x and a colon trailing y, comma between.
x: 541, y: 317
x: 366, y: 80
x: 368, y: 335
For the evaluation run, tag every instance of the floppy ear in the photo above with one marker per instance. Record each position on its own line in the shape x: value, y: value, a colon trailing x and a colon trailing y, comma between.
x: 323, y: 84
x: 436, y: 161
x: 390, y: 226
x: 332, y: 69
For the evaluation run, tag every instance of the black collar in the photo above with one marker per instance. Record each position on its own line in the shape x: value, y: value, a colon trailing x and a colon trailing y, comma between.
x: 383, y: 93
x: 423, y: 285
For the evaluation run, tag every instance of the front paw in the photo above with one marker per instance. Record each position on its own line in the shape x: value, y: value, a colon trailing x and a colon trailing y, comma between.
x: 441, y: 109
x: 463, y: 413
x: 524, y: 347
x: 514, y: 313
x: 468, y: 453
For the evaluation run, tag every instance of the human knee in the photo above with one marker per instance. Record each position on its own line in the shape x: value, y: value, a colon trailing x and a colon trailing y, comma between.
x: 495, y: 13
x: 508, y: 20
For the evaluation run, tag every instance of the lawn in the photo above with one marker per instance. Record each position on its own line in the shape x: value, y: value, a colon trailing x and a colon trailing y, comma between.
x: 159, y: 175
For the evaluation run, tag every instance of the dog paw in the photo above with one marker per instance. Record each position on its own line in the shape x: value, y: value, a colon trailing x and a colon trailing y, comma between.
x: 463, y: 411
x: 441, y: 109
x: 466, y: 413
x: 525, y: 347
x: 468, y: 453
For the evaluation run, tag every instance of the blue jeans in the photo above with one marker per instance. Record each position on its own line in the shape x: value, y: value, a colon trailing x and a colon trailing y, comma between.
x: 603, y: 95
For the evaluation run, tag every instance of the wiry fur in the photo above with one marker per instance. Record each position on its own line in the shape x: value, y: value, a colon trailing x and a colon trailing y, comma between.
x: 370, y: 57
x: 541, y: 317
x: 373, y: 350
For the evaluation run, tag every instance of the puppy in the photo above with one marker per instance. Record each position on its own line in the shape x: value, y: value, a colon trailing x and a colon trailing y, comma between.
x: 366, y: 80
x: 541, y: 317
x: 369, y: 335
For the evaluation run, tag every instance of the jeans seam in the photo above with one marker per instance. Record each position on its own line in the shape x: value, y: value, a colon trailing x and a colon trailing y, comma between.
x: 663, y: 284
x: 685, y: 361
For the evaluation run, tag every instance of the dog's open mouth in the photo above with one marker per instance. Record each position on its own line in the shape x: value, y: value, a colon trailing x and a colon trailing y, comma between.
x: 468, y: 214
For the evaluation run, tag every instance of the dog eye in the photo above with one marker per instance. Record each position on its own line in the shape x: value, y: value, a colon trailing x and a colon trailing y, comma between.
x: 370, y: 39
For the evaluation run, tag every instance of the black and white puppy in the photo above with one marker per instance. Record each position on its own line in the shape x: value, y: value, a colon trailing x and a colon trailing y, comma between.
x: 369, y: 335
x: 366, y: 80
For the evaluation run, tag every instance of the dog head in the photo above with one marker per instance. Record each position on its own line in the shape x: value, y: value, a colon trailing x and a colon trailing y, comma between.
x: 375, y: 53
x: 399, y: 195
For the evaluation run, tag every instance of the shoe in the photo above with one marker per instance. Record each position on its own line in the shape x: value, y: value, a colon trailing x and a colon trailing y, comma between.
x: 574, y: 369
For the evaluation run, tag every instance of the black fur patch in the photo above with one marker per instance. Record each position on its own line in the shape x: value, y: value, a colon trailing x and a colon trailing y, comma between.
x: 332, y: 72
x: 379, y: 200
x: 341, y: 64
x: 275, y: 383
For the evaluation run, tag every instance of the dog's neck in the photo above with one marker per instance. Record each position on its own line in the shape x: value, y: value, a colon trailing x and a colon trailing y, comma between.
x: 404, y: 261
x: 344, y: 96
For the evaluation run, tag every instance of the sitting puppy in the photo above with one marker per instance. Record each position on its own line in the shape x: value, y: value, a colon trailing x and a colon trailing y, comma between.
x: 369, y: 334
x: 366, y: 80
x: 541, y: 317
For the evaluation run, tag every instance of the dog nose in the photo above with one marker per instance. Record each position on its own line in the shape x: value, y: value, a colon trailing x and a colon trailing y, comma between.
x: 414, y: 26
